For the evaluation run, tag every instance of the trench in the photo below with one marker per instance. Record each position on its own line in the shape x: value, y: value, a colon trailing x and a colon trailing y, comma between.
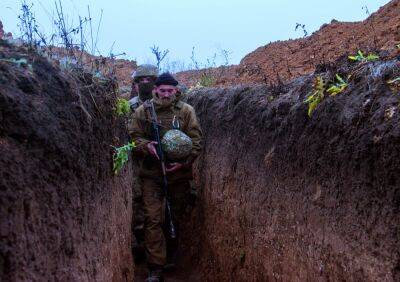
x: 283, y: 196
x: 288, y: 197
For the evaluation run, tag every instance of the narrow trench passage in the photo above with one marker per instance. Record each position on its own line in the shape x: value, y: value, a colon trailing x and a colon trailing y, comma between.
x: 190, y: 226
x: 186, y: 269
x: 300, y: 201
x: 183, y: 272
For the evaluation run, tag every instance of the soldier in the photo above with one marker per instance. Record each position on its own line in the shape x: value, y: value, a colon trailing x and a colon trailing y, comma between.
x: 171, y: 113
x: 142, y: 84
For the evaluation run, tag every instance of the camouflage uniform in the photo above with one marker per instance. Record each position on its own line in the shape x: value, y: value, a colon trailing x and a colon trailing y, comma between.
x: 138, y: 213
x: 138, y: 219
x: 151, y: 175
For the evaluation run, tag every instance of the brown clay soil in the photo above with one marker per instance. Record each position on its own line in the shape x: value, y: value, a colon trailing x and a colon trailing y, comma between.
x: 120, y: 68
x: 293, y: 58
x: 288, y: 197
x: 64, y: 216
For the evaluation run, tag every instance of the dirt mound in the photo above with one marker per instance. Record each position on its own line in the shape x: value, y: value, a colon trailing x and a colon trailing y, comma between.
x: 292, y: 198
x: 293, y: 58
x: 63, y: 214
x: 120, y: 68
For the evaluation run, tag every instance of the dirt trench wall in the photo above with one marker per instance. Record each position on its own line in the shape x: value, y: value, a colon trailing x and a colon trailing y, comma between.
x: 63, y: 214
x: 286, y: 197
x: 289, y: 59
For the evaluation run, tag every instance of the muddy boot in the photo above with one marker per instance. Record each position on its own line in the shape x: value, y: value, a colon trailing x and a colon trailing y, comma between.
x: 172, y: 254
x: 138, y: 251
x: 171, y: 263
x: 170, y: 266
x: 155, y: 273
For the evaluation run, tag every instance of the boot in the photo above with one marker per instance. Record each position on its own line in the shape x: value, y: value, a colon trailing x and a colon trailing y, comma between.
x: 170, y: 266
x: 155, y: 274
x: 138, y: 250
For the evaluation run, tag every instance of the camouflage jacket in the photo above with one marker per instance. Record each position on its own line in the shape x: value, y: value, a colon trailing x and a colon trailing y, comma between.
x: 140, y: 130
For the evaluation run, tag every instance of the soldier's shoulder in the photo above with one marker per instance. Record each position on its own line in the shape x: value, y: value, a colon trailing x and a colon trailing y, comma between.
x: 134, y: 100
x: 139, y: 110
x: 185, y: 107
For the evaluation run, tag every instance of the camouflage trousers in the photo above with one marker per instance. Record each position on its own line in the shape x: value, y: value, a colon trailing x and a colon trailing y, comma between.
x: 156, y: 239
x: 137, y: 221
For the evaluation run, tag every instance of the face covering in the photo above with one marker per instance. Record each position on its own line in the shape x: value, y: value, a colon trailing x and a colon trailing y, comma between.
x: 145, y: 90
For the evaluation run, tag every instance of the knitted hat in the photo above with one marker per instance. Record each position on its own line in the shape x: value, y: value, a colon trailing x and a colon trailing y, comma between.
x: 166, y: 79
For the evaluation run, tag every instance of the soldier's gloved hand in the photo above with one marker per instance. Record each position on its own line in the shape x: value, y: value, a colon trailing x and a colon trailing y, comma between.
x: 152, y: 149
x: 172, y: 167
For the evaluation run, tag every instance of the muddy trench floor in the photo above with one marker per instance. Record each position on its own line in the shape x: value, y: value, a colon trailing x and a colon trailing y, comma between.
x: 184, y: 272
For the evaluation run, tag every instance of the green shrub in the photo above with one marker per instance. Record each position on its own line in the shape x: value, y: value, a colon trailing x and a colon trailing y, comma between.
x: 207, y: 80
x: 317, y: 95
x: 337, y: 87
x: 121, y: 156
x: 359, y: 57
x: 122, y: 107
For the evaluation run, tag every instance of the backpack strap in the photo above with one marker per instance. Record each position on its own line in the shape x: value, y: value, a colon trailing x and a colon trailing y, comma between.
x: 147, y: 109
x: 175, y: 123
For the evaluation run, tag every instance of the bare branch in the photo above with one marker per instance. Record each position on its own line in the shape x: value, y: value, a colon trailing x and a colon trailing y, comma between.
x: 159, y: 54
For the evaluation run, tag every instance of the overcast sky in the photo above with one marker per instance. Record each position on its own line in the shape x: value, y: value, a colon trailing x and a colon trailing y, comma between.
x: 208, y: 25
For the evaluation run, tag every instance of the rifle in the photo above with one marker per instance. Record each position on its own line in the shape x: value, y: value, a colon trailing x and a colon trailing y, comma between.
x: 156, y: 133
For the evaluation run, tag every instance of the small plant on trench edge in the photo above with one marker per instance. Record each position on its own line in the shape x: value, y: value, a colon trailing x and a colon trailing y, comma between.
x: 319, y: 89
x: 394, y: 84
x: 121, y: 156
x: 359, y: 57
x: 23, y: 63
x: 122, y: 107
x: 317, y: 95
x: 207, y: 80
x: 394, y: 81
x: 337, y: 87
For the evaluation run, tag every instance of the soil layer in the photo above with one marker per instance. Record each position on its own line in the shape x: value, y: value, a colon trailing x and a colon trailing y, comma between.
x: 288, y: 59
x: 64, y: 216
x: 290, y: 197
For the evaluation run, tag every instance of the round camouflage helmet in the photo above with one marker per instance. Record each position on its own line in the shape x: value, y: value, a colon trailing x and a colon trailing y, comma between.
x: 176, y: 144
x: 145, y: 70
x: 182, y: 88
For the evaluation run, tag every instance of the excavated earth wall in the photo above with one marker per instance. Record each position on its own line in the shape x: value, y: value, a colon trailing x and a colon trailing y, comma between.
x: 289, y: 59
x: 287, y: 197
x: 64, y: 216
